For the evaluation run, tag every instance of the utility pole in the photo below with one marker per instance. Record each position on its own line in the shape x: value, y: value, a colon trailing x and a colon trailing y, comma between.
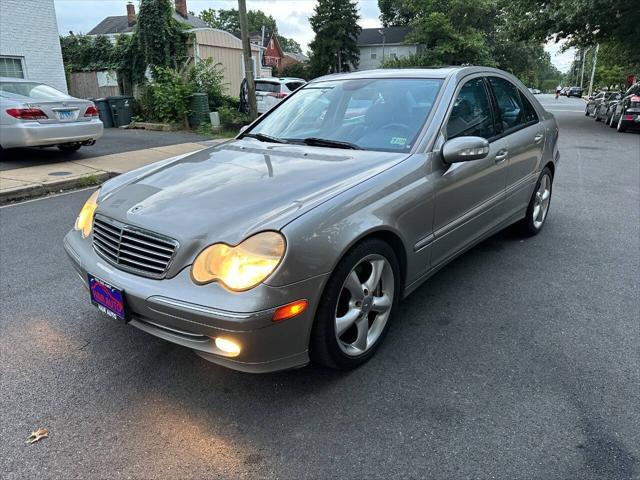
x: 593, y: 69
x: 249, y: 74
x: 584, y: 57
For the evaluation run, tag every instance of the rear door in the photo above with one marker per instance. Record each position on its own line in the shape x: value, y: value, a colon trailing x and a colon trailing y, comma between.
x: 518, y: 122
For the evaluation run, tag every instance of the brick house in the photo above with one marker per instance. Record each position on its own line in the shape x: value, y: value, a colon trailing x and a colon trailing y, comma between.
x: 29, y: 42
x: 274, y: 56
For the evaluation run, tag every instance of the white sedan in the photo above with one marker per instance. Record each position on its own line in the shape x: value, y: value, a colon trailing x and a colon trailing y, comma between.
x: 33, y: 114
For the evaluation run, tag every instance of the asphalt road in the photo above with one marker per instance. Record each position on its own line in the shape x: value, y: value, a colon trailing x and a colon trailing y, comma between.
x: 519, y: 360
x: 114, y: 140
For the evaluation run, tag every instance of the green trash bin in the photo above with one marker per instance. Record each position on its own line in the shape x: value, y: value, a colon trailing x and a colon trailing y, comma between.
x: 198, y: 109
x: 121, y: 107
x: 104, y: 112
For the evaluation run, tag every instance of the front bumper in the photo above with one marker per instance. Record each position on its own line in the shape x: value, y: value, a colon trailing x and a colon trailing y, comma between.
x: 181, y: 312
x: 34, y: 134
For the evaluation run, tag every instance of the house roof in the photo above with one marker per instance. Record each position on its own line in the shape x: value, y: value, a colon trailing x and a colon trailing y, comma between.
x: 120, y: 24
x: 372, y: 36
x: 298, y: 57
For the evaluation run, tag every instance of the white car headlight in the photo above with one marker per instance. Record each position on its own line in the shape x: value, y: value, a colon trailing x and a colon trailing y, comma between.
x: 84, y: 222
x: 241, y: 267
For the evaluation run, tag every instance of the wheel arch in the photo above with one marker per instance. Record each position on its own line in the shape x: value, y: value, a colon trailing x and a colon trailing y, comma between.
x: 388, y: 236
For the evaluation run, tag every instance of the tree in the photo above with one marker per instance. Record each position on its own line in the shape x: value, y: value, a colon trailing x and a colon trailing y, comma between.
x: 581, y: 22
x: 210, y: 16
x: 162, y: 39
x: 289, y: 44
x: 394, y: 13
x: 334, y: 48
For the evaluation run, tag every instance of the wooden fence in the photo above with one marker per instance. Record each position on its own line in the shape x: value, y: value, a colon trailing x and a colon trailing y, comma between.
x: 86, y: 85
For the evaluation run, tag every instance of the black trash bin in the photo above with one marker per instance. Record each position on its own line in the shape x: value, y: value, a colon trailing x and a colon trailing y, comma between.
x: 104, y: 112
x: 121, y: 107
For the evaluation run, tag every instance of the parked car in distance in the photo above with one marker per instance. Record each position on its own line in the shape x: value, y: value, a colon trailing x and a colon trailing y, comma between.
x: 603, y: 111
x: 574, y: 92
x: 271, y: 90
x: 626, y: 113
x: 564, y: 91
x: 594, y: 103
x: 535, y: 91
x: 296, y: 241
x: 33, y: 114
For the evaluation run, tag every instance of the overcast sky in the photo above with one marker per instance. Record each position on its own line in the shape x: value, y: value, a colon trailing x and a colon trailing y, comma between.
x: 292, y: 16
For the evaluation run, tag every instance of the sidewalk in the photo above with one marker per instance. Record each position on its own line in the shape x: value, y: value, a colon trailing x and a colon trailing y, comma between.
x: 29, y: 182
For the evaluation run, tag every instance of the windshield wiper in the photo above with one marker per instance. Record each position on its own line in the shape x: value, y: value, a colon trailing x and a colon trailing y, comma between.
x: 324, y: 142
x: 265, y: 138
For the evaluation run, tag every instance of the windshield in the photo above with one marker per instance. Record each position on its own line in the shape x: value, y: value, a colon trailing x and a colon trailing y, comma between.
x: 370, y: 114
x: 38, y: 91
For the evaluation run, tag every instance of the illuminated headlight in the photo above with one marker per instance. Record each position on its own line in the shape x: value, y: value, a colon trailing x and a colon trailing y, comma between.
x: 241, y: 267
x: 84, y: 222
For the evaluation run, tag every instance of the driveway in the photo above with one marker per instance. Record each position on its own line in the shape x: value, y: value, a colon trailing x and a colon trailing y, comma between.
x: 115, y: 140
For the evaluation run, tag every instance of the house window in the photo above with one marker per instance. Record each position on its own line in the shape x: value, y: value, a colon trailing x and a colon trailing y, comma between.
x: 11, y: 67
x: 393, y: 53
x: 374, y: 53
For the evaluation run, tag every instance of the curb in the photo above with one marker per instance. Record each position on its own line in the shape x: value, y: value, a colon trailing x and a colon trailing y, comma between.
x: 42, y: 190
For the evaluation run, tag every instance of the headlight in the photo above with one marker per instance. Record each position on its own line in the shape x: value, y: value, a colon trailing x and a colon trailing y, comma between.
x: 84, y: 222
x: 241, y: 267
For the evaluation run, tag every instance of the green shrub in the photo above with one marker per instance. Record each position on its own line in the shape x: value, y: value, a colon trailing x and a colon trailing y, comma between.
x: 207, y: 77
x: 297, y: 70
x: 165, y: 99
x: 230, y: 117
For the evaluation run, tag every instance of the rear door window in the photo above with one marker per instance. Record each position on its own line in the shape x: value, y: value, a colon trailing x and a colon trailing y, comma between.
x: 514, y: 109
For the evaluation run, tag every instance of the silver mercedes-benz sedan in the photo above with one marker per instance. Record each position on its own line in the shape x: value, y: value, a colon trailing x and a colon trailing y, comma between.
x: 295, y: 241
x: 33, y: 114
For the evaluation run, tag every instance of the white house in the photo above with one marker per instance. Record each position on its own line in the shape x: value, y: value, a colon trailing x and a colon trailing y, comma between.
x: 377, y: 44
x: 29, y: 42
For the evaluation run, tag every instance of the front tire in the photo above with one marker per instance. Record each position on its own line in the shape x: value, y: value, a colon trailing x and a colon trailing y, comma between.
x: 355, y: 310
x: 538, y: 208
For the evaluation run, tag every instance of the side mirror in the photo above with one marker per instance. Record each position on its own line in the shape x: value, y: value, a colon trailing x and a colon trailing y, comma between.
x: 243, y: 128
x: 465, y: 149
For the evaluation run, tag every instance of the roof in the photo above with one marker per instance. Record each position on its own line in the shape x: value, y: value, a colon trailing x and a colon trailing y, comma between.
x: 372, y: 36
x: 120, y: 24
x: 298, y: 57
x: 431, y: 73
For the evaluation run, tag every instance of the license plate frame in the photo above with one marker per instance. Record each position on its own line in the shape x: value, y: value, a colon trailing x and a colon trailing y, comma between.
x: 109, y: 299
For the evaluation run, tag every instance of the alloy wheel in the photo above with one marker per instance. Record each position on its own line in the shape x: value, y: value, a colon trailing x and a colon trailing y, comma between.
x: 364, y: 305
x: 541, y: 201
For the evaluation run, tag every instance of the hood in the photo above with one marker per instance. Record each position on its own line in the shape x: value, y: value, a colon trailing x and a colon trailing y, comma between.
x: 227, y: 192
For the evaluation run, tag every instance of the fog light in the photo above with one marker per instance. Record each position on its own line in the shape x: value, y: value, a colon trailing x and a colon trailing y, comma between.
x: 229, y: 347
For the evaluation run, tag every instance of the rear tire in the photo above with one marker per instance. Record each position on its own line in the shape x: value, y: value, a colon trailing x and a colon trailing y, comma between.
x: 363, y: 316
x: 539, y: 204
x: 69, y: 148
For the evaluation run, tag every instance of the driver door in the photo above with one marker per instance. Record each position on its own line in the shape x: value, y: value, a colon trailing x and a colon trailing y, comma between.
x: 468, y: 195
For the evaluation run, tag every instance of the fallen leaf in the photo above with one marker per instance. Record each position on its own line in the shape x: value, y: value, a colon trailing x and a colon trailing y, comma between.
x: 39, y: 434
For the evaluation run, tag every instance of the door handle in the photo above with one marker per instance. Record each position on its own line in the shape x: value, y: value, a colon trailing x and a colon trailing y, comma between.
x: 501, y: 156
x: 538, y: 138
